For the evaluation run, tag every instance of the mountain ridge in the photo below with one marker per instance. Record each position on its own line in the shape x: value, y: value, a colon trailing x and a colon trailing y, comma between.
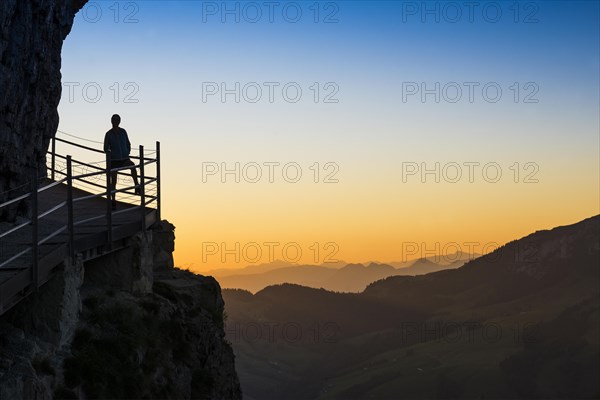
x: 540, y: 292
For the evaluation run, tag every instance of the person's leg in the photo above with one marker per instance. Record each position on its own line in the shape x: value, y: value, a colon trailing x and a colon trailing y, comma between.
x: 134, y: 175
x: 113, y: 185
x: 114, y: 176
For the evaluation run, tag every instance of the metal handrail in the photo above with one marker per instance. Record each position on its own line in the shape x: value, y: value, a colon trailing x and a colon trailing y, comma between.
x: 51, y: 185
x: 50, y: 236
x: 76, y: 161
x: 126, y: 210
x: 145, y: 158
x: 88, y: 197
x: 15, y: 200
x: 50, y: 211
x: 15, y: 229
x: 16, y: 256
x: 150, y: 184
x: 85, y: 221
x: 91, y: 183
x: 88, y: 175
x: 77, y: 145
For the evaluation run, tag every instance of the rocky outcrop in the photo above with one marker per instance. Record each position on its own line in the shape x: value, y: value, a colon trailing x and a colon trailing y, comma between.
x: 36, y: 335
x: 129, y: 269
x: 31, y: 37
x: 126, y: 325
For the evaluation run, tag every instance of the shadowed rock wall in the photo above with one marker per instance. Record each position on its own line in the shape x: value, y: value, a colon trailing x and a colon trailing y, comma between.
x: 31, y: 38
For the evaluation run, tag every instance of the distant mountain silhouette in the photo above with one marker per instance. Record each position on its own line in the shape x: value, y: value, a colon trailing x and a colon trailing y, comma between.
x: 349, y: 278
x: 455, y: 260
x: 250, y: 269
x: 355, y: 277
x: 307, y: 275
x: 520, y: 322
x: 425, y: 266
x: 266, y: 267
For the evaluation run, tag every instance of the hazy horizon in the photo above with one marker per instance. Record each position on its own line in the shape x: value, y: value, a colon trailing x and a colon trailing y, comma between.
x: 438, y: 259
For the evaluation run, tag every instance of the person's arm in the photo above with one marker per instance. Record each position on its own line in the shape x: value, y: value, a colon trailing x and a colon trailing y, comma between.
x: 106, y: 143
x: 128, y: 142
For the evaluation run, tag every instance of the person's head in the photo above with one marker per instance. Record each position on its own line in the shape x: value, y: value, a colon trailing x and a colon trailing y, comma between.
x: 116, y: 120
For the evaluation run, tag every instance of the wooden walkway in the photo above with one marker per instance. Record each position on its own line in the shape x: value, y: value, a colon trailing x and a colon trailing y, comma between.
x: 74, y: 218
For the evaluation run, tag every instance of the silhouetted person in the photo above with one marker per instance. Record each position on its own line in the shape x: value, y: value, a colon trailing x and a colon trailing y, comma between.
x: 117, y: 141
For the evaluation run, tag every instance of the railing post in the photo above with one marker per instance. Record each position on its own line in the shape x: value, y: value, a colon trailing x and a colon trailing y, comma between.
x: 53, y: 163
x: 142, y: 188
x: 158, y: 181
x: 108, y: 200
x: 34, y: 229
x: 70, y: 218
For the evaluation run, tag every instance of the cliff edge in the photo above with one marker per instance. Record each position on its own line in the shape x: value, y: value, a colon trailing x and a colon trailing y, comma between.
x: 116, y: 327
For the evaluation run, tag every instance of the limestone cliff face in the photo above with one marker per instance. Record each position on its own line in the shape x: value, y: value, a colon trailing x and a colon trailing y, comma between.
x: 31, y: 37
x: 127, y: 325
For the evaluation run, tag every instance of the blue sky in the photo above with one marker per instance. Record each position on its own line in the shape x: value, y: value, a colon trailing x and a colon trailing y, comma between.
x: 372, y: 49
x: 369, y: 52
